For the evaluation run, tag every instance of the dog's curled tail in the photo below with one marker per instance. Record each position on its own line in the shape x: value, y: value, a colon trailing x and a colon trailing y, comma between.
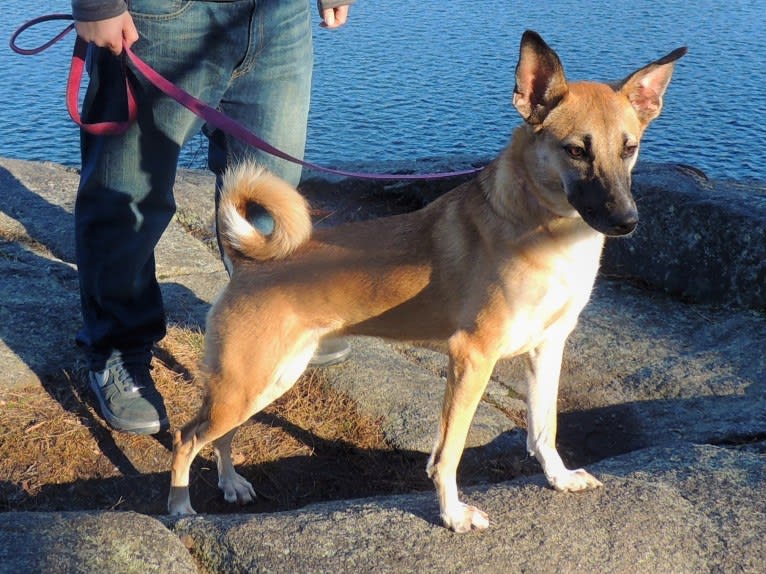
x: 245, y: 186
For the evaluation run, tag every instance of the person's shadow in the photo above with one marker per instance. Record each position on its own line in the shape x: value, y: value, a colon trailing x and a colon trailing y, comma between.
x: 40, y: 312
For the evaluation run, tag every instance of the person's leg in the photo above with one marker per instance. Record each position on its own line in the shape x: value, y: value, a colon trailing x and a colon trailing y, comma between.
x: 125, y: 200
x: 270, y: 89
x: 270, y: 95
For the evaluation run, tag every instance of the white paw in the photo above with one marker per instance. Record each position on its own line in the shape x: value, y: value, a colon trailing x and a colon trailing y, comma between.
x: 465, y: 518
x: 574, y: 481
x: 236, y: 489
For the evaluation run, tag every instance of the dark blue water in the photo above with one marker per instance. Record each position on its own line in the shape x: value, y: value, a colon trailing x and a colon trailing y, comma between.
x: 433, y: 78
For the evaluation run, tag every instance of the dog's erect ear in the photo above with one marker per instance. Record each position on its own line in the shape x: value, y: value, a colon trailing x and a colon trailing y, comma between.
x: 540, y: 81
x: 646, y: 87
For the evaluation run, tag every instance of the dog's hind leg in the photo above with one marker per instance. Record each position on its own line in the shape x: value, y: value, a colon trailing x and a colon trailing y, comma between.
x: 544, y: 367
x: 223, y: 411
x: 235, y: 487
x: 469, y: 373
x: 185, y: 449
x: 217, y: 420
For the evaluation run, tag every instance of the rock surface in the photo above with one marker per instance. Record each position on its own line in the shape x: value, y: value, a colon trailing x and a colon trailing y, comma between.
x: 664, y: 398
x: 89, y: 542
x: 699, y: 239
x: 661, y: 510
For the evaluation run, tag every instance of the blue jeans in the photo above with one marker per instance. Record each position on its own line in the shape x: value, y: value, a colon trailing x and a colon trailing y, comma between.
x: 250, y: 58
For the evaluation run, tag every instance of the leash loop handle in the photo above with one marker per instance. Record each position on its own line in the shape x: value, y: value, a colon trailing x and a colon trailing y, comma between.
x: 77, y: 65
x: 32, y: 23
x: 111, y: 128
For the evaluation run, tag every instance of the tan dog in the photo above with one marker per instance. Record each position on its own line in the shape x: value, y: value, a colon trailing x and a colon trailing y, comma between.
x: 500, y: 266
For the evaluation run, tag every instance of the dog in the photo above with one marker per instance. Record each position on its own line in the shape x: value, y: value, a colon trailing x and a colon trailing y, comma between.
x: 500, y: 266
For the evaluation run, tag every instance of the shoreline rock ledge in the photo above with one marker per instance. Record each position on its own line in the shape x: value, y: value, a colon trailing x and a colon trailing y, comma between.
x: 663, y: 397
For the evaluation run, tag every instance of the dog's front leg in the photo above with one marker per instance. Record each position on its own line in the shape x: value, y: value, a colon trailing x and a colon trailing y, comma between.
x: 468, y: 375
x: 544, y: 367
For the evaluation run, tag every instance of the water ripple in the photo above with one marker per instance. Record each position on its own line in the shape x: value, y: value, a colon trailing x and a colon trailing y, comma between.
x: 432, y: 78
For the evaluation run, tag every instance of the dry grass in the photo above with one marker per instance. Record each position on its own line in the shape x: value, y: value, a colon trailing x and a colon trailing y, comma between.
x: 312, y: 444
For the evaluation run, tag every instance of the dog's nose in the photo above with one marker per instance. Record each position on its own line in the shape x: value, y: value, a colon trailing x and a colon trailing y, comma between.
x: 625, y: 225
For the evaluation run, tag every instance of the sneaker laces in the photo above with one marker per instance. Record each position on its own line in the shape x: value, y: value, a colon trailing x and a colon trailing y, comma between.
x: 130, y: 372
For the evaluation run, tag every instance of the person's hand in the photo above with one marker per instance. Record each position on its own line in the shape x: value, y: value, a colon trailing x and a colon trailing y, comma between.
x: 334, y: 17
x: 109, y: 33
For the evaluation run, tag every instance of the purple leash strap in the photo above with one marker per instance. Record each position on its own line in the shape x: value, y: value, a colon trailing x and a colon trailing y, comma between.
x: 209, y: 114
x: 218, y: 120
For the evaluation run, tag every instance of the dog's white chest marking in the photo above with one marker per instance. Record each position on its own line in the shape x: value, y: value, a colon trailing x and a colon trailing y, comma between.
x: 557, y: 301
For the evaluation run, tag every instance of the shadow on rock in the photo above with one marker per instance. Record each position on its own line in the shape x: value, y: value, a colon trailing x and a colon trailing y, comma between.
x: 338, y: 470
x: 40, y: 314
x: 334, y: 470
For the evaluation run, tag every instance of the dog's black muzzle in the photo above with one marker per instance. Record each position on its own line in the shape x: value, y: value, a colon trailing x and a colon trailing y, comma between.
x: 609, y: 209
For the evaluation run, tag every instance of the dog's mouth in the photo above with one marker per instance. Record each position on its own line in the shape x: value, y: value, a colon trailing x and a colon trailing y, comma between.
x: 610, y: 212
x: 611, y: 224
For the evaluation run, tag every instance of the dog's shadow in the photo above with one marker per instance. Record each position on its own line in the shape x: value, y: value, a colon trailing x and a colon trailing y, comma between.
x: 334, y: 471
x: 338, y: 471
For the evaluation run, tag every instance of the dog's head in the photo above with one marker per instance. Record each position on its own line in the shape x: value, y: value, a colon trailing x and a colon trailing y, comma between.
x: 587, y: 134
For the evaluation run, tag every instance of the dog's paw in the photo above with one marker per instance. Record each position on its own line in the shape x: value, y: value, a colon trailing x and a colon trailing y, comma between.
x: 236, y: 489
x: 466, y: 518
x: 574, y: 481
x: 181, y: 510
x: 178, y: 501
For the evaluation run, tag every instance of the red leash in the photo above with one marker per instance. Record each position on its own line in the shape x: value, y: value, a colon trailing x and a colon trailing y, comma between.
x: 212, y: 116
x: 73, y: 92
x: 75, y: 75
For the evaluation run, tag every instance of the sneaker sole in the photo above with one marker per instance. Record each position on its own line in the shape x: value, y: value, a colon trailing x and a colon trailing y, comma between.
x: 327, y: 359
x: 119, y: 424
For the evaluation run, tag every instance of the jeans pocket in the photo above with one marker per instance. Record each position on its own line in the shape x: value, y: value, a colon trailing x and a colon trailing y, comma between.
x: 158, y: 9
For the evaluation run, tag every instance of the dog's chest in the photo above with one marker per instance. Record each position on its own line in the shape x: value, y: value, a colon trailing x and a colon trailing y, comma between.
x: 575, y: 267
x: 546, y: 290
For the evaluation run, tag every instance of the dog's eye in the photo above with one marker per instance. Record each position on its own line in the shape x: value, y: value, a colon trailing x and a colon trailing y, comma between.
x: 629, y: 150
x: 575, y: 151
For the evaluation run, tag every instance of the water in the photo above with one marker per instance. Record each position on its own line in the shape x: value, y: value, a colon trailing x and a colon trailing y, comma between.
x: 433, y: 78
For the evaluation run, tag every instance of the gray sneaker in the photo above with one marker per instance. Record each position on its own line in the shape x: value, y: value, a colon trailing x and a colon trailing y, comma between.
x: 127, y: 397
x: 330, y: 351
